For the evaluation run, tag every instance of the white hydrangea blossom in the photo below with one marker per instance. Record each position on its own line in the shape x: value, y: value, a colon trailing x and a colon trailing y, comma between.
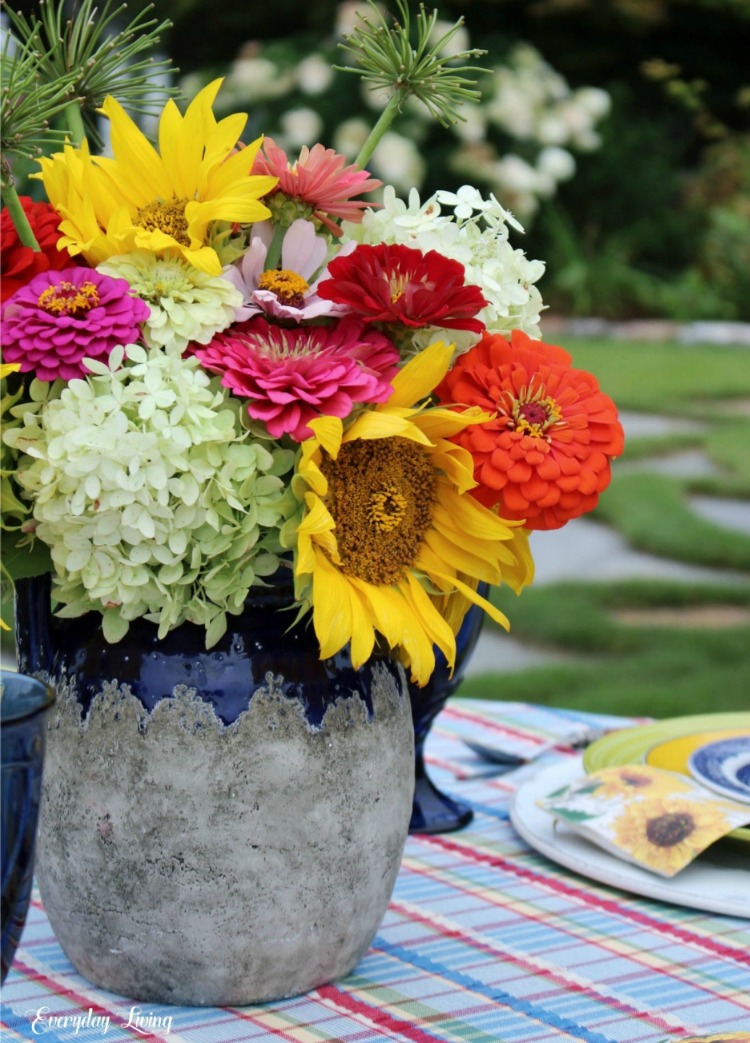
x: 186, y: 304
x: 478, y: 238
x: 153, y: 500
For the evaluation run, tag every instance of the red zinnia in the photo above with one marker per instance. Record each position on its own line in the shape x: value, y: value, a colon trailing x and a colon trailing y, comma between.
x: 20, y: 263
x: 400, y: 284
x: 545, y: 456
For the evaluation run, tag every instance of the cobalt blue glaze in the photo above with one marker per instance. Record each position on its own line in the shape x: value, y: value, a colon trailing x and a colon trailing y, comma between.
x: 434, y: 811
x: 261, y: 640
x: 25, y: 703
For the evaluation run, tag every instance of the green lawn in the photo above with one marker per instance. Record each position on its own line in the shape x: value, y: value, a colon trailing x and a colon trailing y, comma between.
x: 681, y: 648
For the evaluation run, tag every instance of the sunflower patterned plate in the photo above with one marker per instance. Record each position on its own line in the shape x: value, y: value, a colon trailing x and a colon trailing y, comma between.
x: 715, y: 882
x: 634, y: 745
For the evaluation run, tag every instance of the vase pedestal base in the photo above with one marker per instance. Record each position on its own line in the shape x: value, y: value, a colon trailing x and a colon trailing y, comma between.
x: 436, y: 812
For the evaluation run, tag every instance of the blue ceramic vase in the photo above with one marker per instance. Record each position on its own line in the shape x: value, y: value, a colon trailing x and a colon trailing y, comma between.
x: 25, y: 703
x: 239, y: 814
x: 434, y: 811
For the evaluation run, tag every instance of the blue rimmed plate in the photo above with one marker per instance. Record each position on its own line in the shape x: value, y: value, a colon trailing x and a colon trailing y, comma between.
x: 724, y: 766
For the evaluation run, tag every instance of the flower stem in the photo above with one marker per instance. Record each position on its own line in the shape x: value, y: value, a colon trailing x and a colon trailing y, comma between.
x: 19, y: 218
x: 74, y: 119
x: 386, y: 118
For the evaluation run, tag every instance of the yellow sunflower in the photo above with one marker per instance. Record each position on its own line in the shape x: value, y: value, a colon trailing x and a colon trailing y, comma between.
x: 634, y: 779
x: 666, y: 834
x: 390, y: 538
x: 166, y: 204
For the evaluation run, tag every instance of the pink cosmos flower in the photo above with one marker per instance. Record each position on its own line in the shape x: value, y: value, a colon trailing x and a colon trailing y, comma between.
x: 59, y: 318
x: 319, y: 179
x: 286, y: 293
x: 291, y: 376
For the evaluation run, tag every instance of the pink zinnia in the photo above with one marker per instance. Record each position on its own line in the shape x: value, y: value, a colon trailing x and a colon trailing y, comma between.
x: 319, y: 179
x: 50, y: 325
x: 291, y: 376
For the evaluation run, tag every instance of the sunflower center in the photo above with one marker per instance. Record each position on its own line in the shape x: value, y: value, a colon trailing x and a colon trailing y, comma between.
x: 288, y: 286
x: 635, y: 781
x: 532, y: 413
x: 68, y: 299
x: 670, y: 829
x: 381, y: 493
x: 165, y: 217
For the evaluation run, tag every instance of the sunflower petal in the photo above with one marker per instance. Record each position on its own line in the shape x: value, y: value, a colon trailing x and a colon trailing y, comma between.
x: 421, y: 374
x: 332, y: 613
x: 476, y: 599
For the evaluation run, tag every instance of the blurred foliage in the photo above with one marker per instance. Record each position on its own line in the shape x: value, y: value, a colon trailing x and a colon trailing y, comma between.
x: 656, y: 221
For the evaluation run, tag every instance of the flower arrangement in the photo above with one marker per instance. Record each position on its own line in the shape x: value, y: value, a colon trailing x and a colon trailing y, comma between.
x: 229, y: 363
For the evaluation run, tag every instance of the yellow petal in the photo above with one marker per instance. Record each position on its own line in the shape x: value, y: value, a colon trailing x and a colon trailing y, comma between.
x: 457, y: 555
x: 328, y: 431
x: 376, y: 424
x: 234, y: 169
x: 363, y: 634
x: 443, y: 423
x: 139, y: 166
x: 421, y: 374
x: 332, y: 614
x: 469, y: 516
x: 434, y: 624
x: 476, y: 599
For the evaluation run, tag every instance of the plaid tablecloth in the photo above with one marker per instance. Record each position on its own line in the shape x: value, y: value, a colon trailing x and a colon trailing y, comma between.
x: 485, y: 941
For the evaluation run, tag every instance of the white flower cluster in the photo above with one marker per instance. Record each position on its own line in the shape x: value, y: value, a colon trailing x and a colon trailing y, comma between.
x: 534, y: 104
x: 476, y: 234
x: 152, y: 499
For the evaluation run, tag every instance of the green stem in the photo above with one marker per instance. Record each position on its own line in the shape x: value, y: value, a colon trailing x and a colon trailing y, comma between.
x: 74, y: 119
x: 274, y: 250
x: 19, y: 218
x: 387, y: 117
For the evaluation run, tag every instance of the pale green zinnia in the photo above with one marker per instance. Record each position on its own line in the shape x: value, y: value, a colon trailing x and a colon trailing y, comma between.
x: 186, y: 304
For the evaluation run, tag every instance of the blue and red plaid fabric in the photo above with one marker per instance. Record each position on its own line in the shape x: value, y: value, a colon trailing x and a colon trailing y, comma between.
x: 485, y: 941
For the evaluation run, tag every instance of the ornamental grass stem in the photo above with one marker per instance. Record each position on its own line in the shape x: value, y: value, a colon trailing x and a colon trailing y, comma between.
x: 74, y: 119
x: 385, y: 119
x: 18, y: 217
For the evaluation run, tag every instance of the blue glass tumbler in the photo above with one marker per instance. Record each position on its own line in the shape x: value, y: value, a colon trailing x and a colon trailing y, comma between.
x: 24, y: 704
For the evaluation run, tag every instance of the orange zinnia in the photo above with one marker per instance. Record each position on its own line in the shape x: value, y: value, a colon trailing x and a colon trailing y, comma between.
x: 545, y: 456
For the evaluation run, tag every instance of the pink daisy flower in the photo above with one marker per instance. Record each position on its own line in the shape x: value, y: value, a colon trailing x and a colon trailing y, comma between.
x: 59, y: 318
x: 291, y: 376
x: 288, y: 292
x: 319, y: 179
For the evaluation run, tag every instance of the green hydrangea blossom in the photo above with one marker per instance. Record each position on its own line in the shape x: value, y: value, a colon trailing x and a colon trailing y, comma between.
x: 152, y: 498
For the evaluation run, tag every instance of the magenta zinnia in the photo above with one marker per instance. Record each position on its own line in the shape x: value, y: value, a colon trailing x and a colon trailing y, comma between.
x: 291, y: 376
x: 320, y: 180
x: 398, y: 284
x: 60, y: 318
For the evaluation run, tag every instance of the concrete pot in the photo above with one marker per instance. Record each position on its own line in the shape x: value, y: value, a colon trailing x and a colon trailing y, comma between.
x: 225, y: 842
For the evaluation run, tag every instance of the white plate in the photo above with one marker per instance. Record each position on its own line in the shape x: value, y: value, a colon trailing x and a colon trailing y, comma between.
x: 723, y: 767
x: 716, y: 882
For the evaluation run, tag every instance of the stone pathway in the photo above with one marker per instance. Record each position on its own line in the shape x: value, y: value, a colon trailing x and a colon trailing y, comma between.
x: 587, y: 550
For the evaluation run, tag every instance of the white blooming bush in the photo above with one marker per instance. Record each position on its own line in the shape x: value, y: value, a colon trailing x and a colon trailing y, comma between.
x: 519, y: 141
x: 151, y: 497
x: 477, y: 235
